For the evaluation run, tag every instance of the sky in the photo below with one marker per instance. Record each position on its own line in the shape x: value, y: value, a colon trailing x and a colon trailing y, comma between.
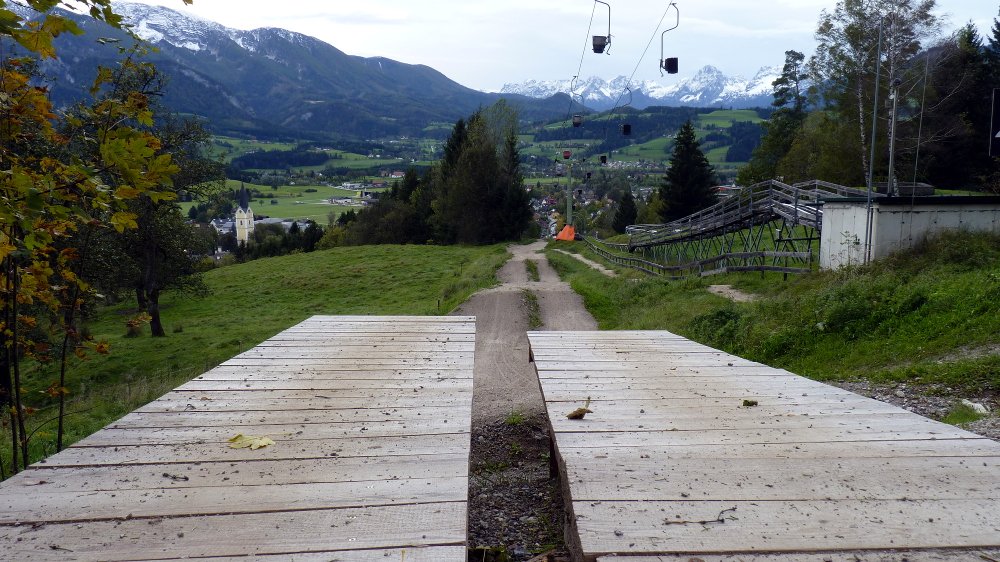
x: 484, y: 45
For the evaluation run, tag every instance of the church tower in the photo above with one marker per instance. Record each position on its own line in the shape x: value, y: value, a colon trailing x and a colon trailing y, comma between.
x: 244, y: 216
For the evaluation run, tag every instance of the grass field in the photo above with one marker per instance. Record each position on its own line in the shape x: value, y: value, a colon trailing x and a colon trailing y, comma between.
x: 920, y: 317
x: 292, y: 201
x: 249, y: 303
x: 726, y: 117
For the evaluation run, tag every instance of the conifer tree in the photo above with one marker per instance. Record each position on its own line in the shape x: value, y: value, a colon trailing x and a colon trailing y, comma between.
x: 687, y: 187
x: 626, y: 213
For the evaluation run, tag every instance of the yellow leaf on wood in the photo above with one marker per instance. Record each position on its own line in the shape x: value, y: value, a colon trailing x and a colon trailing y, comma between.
x: 254, y: 442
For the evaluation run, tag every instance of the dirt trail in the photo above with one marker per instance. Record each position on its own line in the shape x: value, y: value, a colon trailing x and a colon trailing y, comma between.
x: 504, y: 380
x: 515, y: 505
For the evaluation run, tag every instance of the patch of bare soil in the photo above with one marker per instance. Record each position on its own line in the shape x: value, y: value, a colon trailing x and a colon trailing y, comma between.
x: 514, y: 502
x: 731, y: 293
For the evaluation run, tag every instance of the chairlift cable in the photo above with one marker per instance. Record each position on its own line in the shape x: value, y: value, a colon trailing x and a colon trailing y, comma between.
x: 583, y: 54
x: 628, y: 83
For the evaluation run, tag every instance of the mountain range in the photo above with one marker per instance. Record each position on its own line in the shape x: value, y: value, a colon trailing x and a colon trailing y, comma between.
x: 708, y: 88
x: 281, y: 83
x: 275, y: 81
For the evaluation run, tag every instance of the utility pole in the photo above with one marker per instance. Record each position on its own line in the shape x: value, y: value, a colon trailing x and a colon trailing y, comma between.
x: 893, y: 187
x: 569, y: 196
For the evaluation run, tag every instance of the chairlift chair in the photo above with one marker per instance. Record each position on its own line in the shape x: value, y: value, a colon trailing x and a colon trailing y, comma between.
x: 669, y: 63
x: 602, y: 42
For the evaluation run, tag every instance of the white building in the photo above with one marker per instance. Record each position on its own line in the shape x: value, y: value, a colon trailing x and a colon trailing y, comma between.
x: 244, y: 216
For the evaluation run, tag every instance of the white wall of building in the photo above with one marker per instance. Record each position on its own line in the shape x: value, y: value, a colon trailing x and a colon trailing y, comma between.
x: 898, y: 224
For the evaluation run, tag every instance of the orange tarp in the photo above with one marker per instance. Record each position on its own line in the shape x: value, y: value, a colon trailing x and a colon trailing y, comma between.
x: 567, y: 233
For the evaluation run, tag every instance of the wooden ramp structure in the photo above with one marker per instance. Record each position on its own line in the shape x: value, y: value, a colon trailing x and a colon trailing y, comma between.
x: 693, y: 454
x: 370, y: 419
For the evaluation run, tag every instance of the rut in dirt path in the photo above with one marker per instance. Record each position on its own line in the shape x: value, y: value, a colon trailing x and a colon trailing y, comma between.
x: 504, y: 380
x: 515, y: 505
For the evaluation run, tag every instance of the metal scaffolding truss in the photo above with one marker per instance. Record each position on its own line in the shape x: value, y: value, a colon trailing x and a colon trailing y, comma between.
x: 770, y: 226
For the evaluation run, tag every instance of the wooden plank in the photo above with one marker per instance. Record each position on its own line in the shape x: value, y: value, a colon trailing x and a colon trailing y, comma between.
x: 241, y: 535
x: 908, y: 555
x: 981, y: 447
x: 42, y: 478
x: 351, y: 364
x: 441, y: 383
x: 740, y: 420
x: 448, y: 396
x: 759, y: 436
x: 245, y: 402
x: 654, y: 526
x: 125, y: 436
x: 63, y: 507
x: 415, y: 554
x: 917, y: 478
x: 760, y: 395
x: 357, y: 353
x: 257, y: 373
x: 283, y: 449
x: 552, y: 372
x: 200, y: 418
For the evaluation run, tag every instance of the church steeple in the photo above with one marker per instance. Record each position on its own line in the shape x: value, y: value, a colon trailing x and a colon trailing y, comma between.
x: 244, y: 216
x: 243, y: 197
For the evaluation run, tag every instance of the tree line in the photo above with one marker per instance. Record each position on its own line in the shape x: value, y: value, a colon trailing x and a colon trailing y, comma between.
x: 834, y: 115
x: 474, y: 195
x: 87, y: 210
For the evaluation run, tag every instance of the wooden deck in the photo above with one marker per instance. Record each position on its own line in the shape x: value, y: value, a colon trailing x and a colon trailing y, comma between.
x: 671, y: 464
x: 370, y: 418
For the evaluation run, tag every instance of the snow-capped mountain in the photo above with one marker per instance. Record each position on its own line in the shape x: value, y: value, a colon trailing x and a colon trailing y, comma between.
x: 708, y: 88
x: 272, y: 79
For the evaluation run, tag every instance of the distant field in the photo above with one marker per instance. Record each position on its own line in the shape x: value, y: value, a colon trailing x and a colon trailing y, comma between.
x: 726, y: 117
x: 293, y: 201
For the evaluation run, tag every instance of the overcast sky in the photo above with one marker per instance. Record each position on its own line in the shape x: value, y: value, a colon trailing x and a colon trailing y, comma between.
x: 483, y: 45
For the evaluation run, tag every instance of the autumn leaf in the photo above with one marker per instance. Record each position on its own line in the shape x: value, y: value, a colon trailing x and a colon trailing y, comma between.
x: 578, y: 413
x: 252, y: 441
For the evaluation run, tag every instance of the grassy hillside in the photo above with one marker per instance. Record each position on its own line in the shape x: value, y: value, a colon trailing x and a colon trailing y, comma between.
x: 928, y: 317
x: 248, y: 304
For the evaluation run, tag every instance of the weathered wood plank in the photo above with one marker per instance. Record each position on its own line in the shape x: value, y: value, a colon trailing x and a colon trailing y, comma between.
x: 440, y: 383
x: 654, y: 526
x: 244, y: 401
x: 42, y: 478
x: 241, y: 535
x: 760, y: 436
x: 908, y: 555
x: 201, y: 418
x: 63, y: 507
x: 981, y: 447
x: 742, y: 421
x: 257, y: 373
x: 918, y: 478
x: 125, y: 436
x: 459, y: 395
x: 765, y: 395
x: 415, y: 554
x: 283, y: 449
x: 553, y: 372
